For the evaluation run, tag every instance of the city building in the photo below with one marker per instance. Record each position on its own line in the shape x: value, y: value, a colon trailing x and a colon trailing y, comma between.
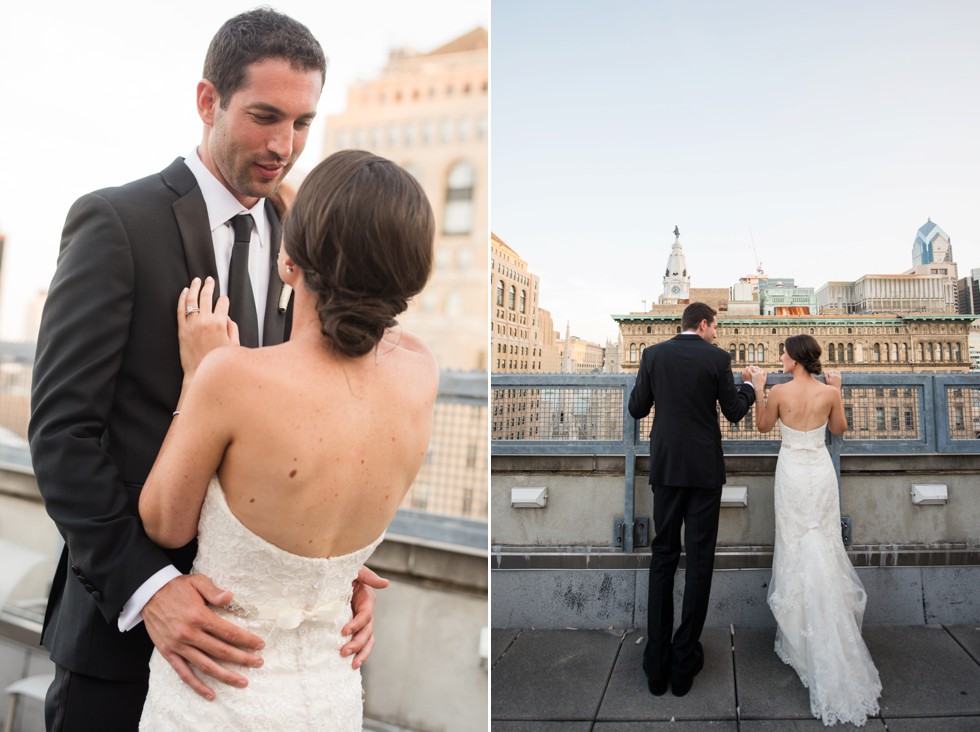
x: 896, y: 344
x: 782, y: 297
x: 968, y: 293
x: 884, y: 293
x: 428, y: 113
x: 931, y: 245
x: 522, y: 337
x: 579, y: 356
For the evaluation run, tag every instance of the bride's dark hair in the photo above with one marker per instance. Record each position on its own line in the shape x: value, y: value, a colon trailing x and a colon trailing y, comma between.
x: 361, y: 231
x: 805, y: 350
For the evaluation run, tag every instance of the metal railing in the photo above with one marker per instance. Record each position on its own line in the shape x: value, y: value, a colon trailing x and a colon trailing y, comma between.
x: 586, y: 414
x: 448, y: 503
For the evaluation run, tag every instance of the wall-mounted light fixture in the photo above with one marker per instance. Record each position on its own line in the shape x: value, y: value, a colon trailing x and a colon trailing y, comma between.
x: 734, y: 496
x: 924, y: 494
x: 528, y: 497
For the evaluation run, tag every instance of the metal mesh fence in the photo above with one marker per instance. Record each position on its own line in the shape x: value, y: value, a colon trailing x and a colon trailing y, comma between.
x: 883, y: 413
x: 964, y: 412
x: 558, y: 413
x: 453, y: 480
x: 563, y: 412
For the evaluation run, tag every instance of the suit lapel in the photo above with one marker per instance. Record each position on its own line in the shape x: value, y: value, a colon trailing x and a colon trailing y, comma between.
x: 276, y: 317
x: 191, y: 214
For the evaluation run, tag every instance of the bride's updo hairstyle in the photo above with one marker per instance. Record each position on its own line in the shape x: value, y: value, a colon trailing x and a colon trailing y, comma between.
x: 361, y: 231
x: 805, y: 350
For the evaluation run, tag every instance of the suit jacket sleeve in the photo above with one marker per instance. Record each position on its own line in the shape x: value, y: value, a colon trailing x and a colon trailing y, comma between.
x: 642, y: 397
x: 734, y: 402
x: 84, y: 330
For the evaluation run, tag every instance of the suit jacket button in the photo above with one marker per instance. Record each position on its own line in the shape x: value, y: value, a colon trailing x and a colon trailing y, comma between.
x: 76, y: 570
x: 89, y: 587
x: 96, y: 595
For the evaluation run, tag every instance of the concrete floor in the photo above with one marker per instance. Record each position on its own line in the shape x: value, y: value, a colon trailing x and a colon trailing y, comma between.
x: 591, y: 680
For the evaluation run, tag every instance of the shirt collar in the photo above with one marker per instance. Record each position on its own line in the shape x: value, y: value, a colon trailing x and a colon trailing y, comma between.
x: 219, y: 201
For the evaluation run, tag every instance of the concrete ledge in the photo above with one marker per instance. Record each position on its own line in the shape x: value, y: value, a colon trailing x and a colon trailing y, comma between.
x: 603, y: 598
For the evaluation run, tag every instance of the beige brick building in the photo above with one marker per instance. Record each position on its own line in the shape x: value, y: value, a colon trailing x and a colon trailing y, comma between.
x: 522, y: 337
x: 428, y: 113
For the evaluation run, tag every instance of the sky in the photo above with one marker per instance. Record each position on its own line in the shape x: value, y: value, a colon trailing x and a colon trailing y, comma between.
x: 815, y: 138
x: 99, y: 93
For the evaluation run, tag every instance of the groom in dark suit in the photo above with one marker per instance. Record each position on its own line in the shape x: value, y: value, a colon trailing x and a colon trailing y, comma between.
x: 107, y: 376
x: 685, y: 377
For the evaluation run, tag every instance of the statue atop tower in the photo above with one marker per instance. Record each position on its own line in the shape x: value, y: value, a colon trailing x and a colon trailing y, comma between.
x: 677, y: 284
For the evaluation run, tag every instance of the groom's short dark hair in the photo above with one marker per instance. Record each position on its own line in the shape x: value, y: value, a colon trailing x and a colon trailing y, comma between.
x: 695, y: 313
x: 253, y: 36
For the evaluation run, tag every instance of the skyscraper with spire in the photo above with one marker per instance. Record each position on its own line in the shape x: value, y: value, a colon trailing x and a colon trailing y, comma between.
x: 677, y: 284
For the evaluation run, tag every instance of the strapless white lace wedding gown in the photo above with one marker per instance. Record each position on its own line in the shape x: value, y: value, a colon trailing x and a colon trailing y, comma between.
x: 815, y: 593
x: 298, y: 606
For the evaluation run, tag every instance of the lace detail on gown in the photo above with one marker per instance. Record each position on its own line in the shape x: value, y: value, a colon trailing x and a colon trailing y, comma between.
x: 815, y: 594
x: 298, y: 606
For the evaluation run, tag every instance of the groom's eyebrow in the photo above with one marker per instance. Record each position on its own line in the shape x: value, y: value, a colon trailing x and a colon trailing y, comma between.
x: 272, y: 109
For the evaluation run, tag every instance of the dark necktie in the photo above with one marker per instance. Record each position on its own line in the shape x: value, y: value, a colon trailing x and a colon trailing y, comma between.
x: 242, y: 301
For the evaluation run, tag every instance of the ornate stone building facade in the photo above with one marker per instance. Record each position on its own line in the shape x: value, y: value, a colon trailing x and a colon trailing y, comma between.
x: 428, y: 113
x: 895, y: 344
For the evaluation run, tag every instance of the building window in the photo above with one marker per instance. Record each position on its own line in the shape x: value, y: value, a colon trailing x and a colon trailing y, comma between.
x: 741, y: 353
x: 465, y: 127
x: 959, y: 352
x: 909, y: 421
x: 850, y: 353
x: 446, y: 131
x: 880, y: 419
x: 523, y: 301
x: 500, y: 293
x: 905, y: 352
x: 831, y: 353
x: 761, y: 353
x: 632, y: 352
x: 751, y: 353
x: 922, y: 354
x: 894, y: 419
x: 511, y: 297
x: 877, y: 352
x: 731, y: 351
x: 458, y: 218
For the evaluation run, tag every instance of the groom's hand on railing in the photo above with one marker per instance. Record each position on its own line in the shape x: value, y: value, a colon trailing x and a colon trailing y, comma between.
x: 361, y: 626
x: 190, y: 636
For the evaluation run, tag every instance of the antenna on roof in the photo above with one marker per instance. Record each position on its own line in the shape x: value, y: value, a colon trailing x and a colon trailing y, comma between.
x: 758, y: 265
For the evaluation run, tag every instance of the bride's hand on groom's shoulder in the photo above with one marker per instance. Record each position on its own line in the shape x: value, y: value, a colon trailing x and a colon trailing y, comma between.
x: 199, y: 328
x: 361, y: 626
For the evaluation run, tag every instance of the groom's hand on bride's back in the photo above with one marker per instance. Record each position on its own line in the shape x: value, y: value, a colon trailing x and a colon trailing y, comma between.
x: 361, y: 626
x: 191, y: 636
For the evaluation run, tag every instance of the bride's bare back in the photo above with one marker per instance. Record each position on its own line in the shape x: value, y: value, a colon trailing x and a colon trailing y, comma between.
x: 804, y: 404
x: 322, y: 447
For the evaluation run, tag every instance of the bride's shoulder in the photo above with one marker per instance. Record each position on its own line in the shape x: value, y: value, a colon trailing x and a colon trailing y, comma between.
x: 412, y: 355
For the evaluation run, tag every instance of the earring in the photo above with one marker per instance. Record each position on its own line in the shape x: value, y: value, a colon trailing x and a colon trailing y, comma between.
x: 289, y: 268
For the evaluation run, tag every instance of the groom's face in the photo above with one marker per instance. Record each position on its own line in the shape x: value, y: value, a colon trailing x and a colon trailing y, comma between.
x: 252, y: 141
x: 708, y: 330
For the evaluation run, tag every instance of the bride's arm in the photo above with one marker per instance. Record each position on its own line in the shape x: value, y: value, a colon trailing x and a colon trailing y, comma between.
x: 171, y: 498
x: 766, y: 410
x: 837, y: 421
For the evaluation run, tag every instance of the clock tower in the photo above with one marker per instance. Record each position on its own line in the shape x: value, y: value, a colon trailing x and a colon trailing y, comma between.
x: 677, y: 285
